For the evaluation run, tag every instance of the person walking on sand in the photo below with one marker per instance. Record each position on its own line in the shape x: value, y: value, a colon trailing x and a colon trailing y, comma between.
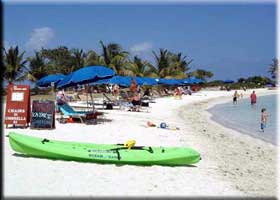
x: 263, y: 119
x: 253, y: 98
x: 235, y: 96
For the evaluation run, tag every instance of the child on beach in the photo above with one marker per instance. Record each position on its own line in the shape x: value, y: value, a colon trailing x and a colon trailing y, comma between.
x: 263, y: 119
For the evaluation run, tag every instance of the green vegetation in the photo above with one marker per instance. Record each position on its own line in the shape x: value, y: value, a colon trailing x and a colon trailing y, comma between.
x: 63, y: 60
x: 242, y: 83
x: 15, y: 65
x: 273, y: 68
x: 202, y: 74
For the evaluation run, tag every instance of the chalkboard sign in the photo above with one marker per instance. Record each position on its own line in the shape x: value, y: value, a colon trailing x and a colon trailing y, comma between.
x: 43, y: 114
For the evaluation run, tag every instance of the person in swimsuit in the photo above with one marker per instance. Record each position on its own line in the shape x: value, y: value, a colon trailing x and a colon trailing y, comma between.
x: 263, y: 119
x: 235, y: 96
x: 136, y: 101
x: 253, y: 98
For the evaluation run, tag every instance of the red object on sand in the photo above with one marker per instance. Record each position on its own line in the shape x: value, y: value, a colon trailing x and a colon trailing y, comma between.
x: 18, y: 105
x: 70, y: 120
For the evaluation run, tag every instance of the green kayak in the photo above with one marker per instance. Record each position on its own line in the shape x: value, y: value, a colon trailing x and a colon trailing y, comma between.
x: 102, y: 153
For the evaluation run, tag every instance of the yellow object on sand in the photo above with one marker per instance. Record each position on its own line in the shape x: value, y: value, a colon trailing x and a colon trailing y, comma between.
x: 178, y: 97
x: 130, y: 143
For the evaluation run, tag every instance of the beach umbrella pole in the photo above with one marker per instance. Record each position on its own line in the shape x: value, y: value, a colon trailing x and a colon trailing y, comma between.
x: 91, y: 97
x: 53, y: 90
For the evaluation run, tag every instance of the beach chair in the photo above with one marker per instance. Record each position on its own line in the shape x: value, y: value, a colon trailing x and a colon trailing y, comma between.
x: 125, y: 101
x: 67, y: 110
x: 109, y: 102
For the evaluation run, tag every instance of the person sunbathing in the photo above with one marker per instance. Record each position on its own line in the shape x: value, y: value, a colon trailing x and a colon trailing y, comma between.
x: 136, y: 101
x: 147, y: 92
x: 60, y: 98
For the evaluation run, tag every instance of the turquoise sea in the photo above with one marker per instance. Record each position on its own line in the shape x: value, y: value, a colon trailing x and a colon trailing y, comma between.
x: 246, y: 118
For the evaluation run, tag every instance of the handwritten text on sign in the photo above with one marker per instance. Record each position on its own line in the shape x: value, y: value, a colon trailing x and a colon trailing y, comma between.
x: 42, y: 115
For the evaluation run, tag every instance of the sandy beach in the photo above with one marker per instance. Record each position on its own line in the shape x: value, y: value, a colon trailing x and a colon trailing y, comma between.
x: 232, y: 165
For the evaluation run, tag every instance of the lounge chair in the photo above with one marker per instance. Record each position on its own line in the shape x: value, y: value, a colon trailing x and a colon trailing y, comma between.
x: 67, y: 110
x: 125, y: 100
x: 109, y: 102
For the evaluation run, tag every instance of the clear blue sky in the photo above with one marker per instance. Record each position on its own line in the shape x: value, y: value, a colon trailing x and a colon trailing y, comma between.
x: 232, y: 41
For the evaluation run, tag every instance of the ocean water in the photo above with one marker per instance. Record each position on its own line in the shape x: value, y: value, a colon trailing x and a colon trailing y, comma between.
x: 246, y: 118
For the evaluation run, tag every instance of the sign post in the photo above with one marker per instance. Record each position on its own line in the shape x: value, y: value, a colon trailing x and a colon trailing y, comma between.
x: 18, y: 105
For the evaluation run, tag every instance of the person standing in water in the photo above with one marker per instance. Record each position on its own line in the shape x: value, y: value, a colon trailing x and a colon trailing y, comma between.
x: 263, y: 119
x: 235, y: 96
x: 253, y: 98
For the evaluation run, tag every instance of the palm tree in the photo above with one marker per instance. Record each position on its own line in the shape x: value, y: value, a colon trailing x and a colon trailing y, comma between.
x: 273, y: 68
x: 114, y: 56
x: 92, y: 58
x: 202, y: 74
x: 37, y: 67
x: 78, y: 59
x: 179, y: 65
x: 170, y: 65
x: 137, y: 67
x: 162, y: 63
x: 14, y: 65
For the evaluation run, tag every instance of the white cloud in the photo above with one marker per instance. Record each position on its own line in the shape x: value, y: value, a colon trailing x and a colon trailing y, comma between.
x: 39, y: 38
x: 145, y: 46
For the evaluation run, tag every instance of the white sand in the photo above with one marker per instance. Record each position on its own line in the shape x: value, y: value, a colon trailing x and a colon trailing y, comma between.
x: 226, y: 169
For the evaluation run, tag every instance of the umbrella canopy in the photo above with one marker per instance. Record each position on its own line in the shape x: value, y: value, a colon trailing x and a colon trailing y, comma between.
x: 101, y: 81
x: 123, y: 81
x: 47, y: 80
x: 191, y: 80
x: 165, y: 81
x: 146, y: 81
x: 228, y: 81
x: 86, y: 75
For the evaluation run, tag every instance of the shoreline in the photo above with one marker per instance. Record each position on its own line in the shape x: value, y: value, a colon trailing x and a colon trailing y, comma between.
x: 233, y: 126
x: 67, y: 178
x: 233, y: 149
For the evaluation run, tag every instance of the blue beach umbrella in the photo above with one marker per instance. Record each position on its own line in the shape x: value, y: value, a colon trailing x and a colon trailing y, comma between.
x: 191, y: 80
x: 165, y: 81
x: 86, y: 75
x: 47, y: 80
x: 123, y: 81
x: 101, y: 81
x: 146, y: 81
